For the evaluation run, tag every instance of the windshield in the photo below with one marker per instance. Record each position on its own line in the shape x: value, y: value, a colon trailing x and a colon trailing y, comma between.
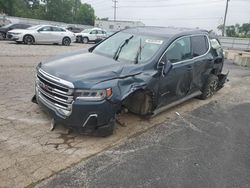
x: 86, y: 30
x: 129, y: 47
x: 34, y: 27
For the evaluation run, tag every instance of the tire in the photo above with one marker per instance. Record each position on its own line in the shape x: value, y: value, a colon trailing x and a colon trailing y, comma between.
x: 66, y: 41
x: 28, y: 39
x: 85, y: 40
x: 210, y: 87
x: 2, y: 36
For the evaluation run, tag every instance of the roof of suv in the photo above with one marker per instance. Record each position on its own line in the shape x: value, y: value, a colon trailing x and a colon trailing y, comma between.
x: 165, y: 32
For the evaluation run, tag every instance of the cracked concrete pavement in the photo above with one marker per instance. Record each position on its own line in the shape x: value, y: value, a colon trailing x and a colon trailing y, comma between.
x: 31, y: 153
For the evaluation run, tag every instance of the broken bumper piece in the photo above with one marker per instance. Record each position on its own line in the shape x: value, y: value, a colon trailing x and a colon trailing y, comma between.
x: 222, y: 80
x: 87, y: 117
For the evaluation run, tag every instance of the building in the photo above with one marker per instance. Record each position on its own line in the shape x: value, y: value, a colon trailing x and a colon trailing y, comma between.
x: 110, y: 25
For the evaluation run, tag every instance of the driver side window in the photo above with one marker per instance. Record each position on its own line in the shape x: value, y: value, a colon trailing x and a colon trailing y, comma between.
x: 46, y: 28
x: 93, y: 32
x: 179, y: 50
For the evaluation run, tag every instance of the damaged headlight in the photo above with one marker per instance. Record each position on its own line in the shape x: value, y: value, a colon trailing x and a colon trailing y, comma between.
x: 93, y: 95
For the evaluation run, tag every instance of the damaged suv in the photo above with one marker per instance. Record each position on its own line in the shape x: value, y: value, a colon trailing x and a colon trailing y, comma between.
x: 145, y: 70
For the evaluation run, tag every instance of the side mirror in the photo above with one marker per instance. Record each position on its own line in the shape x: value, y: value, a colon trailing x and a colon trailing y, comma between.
x: 166, y: 68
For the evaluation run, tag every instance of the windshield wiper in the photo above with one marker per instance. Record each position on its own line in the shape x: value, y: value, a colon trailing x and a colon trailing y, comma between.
x: 138, y: 53
x: 117, y: 53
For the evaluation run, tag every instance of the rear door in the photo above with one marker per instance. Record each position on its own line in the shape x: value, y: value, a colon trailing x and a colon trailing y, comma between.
x: 176, y: 84
x: 203, y: 61
x: 58, y: 34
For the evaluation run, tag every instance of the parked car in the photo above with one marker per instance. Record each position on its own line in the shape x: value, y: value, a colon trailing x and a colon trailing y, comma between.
x: 91, y: 35
x: 145, y: 70
x: 42, y: 34
x: 6, y: 28
x: 74, y: 29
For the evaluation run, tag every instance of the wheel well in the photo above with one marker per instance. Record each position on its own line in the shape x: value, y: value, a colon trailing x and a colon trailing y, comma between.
x: 140, y: 102
x: 28, y: 35
x: 66, y: 38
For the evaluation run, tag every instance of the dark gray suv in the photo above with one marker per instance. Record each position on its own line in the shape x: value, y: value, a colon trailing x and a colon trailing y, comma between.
x: 145, y: 70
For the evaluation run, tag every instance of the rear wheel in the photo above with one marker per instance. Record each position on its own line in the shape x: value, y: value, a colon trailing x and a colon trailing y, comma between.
x: 28, y: 39
x: 85, y: 40
x: 210, y: 87
x: 66, y: 41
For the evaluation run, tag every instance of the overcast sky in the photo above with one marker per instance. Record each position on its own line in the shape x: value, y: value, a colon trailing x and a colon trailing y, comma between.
x: 206, y: 14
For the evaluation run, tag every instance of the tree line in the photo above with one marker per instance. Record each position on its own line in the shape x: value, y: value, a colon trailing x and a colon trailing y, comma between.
x: 237, y: 30
x: 68, y: 11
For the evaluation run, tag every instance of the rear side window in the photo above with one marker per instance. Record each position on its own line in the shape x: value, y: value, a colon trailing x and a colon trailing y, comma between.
x: 199, y: 45
x: 58, y: 29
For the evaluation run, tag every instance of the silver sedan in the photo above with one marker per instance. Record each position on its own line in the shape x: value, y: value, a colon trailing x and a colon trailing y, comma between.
x: 42, y: 34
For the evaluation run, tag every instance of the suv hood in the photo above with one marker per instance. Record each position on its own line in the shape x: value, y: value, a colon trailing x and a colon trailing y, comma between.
x: 88, y: 68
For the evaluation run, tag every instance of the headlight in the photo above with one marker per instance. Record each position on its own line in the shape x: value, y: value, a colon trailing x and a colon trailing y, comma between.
x: 93, y: 95
x: 15, y: 33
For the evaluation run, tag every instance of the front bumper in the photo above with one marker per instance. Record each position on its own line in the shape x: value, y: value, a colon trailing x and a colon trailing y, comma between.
x: 13, y: 37
x: 86, y: 116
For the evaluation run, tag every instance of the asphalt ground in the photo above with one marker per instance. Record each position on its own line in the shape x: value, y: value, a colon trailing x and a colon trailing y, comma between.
x: 206, y: 147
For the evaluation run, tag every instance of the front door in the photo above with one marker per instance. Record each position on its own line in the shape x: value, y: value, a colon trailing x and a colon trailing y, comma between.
x: 177, y: 82
x: 93, y: 35
x: 45, y: 35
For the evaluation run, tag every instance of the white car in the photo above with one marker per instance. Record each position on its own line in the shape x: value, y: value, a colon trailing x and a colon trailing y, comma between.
x: 91, y: 35
x: 42, y: 34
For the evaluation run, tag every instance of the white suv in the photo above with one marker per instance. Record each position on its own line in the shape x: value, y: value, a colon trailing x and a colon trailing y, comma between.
x: 91, y: 35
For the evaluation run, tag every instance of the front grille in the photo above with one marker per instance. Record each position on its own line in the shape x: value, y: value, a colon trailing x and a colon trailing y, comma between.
x: 54, y: 92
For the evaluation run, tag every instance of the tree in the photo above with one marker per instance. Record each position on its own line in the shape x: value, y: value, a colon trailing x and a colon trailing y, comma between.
x: 85, y: 15
x: 69, y: 11
x: 7, y: 6
x: 245, y: 28
x: 220, y: 27
x: 230, y: 31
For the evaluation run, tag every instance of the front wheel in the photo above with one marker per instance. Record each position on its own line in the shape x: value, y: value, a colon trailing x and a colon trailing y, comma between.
x: 210, y: 87
x: 28, y: 39
x: 66, y: 41
x: 85, y: 40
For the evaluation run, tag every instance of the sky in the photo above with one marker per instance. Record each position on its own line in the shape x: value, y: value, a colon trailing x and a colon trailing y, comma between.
x: 205, y: 14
